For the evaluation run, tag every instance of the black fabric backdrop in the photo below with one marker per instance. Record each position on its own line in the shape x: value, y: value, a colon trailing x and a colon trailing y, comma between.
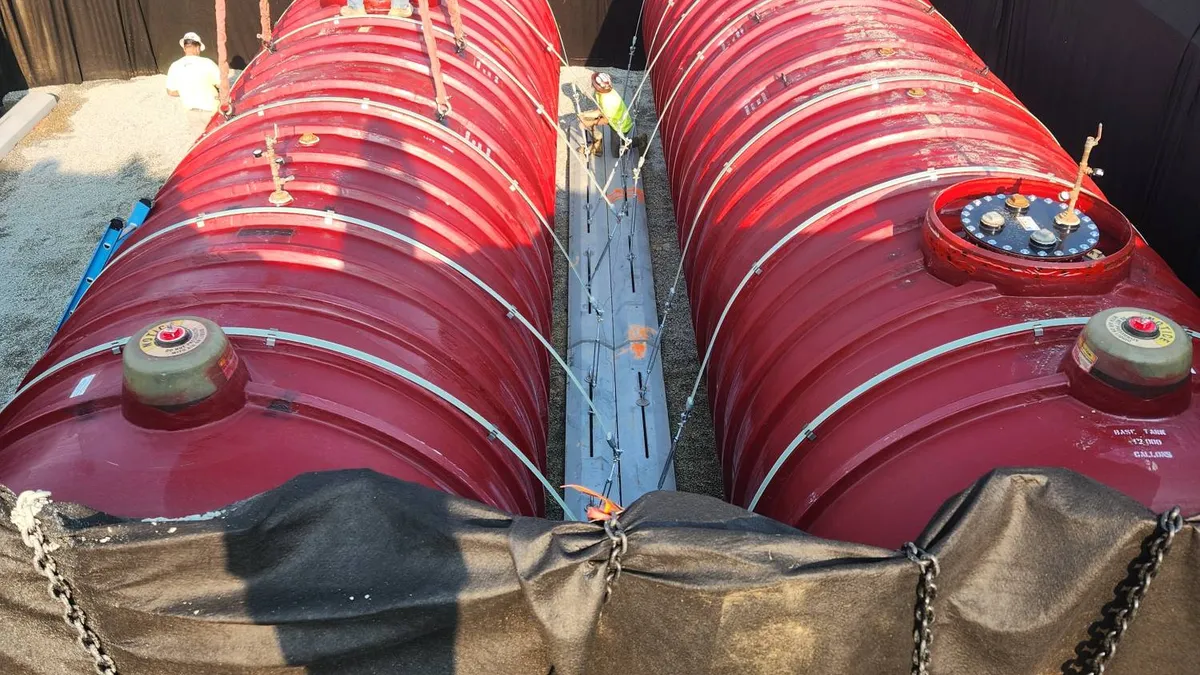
x: 69, y: 41
x: 351, y: 572
x: 1132, y: 64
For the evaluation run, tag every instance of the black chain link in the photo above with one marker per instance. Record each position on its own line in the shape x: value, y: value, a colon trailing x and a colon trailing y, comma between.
x: 923, y: 616
x: 1094, y: 653
x: 620, y: 544
x: 60, y: 589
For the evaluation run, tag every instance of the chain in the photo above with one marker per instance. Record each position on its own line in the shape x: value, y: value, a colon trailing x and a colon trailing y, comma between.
x: 1107, y: 631
x: 24, y: 516
x: 923, y: 617
x: 620, y: 544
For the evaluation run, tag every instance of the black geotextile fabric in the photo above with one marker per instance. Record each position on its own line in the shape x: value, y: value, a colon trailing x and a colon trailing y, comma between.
x: 353, y: 572
x: 1133, y: 65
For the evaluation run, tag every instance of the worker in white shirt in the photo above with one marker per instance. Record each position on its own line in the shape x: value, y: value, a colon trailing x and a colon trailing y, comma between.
x: 194, y: 78
x: 401, y: 9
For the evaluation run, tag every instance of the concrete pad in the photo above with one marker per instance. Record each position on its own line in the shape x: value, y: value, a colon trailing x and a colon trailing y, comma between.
x: 23, y: 117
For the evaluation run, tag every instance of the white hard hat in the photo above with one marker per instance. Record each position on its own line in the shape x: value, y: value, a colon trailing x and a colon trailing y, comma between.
x: 602, y: 81
x: 191, y: 37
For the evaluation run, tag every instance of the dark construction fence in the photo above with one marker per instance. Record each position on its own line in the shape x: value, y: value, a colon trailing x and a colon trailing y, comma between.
x: 46, y: 42
x: 1133, y: 65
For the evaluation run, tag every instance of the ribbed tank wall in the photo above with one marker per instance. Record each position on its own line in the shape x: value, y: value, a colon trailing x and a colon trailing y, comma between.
x: 806, y: 141
x: 413, y: 260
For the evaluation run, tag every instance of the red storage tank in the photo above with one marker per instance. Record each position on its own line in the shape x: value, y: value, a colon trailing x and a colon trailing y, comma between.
x: 885, y: 298
x: 384, y: 311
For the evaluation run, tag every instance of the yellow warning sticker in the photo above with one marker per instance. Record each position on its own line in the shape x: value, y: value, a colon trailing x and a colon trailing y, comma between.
x: 173, y: 338
x: 1116, y: 325
x: 1084, y: 356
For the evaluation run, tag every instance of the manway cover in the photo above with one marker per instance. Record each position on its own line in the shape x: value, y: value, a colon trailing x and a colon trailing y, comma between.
x: 353, y: 572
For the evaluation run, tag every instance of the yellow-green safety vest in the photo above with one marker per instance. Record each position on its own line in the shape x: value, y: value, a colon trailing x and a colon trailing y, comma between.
x: 614, y: 109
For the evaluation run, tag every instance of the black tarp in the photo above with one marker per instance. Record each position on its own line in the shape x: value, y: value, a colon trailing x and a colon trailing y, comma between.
x: 352, y: 572
x: 46, y: 42
x: 1133, y: 65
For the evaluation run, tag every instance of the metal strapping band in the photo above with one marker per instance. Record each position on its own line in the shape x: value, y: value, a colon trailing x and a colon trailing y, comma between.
x: 495, y: 66
x: 716, y: 37
x: 492, y: 63
x: 934, y: 10
x: 833, y: 93
x: 364, y: 357
x: 562, y: 56
x: 481, y: 55
x: 651, y: 43
x: 325, y: 219
x: 909, y: 364
x: 113, y: 347
x: 653, y: 56
x: 430, y: 125
x: 911, y: 179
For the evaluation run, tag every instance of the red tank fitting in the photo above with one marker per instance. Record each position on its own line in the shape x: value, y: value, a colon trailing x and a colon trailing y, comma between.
x: 958, y: 255
x: 181, y: 373
x: 1132, y: 362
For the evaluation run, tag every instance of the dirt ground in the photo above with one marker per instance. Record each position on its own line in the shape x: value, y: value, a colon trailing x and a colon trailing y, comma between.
x: 108, y: 144
x: 105, y: 145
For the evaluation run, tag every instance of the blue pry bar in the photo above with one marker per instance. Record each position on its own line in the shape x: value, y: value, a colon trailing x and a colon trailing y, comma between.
x: 116, y: 233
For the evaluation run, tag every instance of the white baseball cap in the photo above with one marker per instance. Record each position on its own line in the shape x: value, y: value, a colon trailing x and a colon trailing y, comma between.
x: 191, y: 37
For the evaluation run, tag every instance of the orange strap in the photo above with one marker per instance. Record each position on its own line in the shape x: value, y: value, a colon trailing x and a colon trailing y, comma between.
x: 435, y: 64
x: 223, y: 60
x: 460, y: 36
x: 264, y: 14
x: 607, y: 510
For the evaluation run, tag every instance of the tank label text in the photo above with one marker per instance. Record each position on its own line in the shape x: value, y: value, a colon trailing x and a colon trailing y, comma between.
x: 1149, y: 443
x: 1115, y: 325
x: 197, y: 334
x: 1084, y: 356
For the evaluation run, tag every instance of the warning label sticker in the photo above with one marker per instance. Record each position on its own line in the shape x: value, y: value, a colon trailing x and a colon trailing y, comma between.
x: 1084, y: 356
x: 152, y: 346
x: 1116, y: 325
x: 228, y: 363
x: 1028, y: 224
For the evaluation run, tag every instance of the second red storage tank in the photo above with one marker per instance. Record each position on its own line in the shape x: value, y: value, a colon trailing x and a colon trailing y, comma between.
x: 887, y: 300
x: 333, y: 278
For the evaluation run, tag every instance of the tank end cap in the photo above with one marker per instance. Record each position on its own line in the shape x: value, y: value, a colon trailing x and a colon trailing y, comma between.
x: 1131, y: 356
x: 181, y: 373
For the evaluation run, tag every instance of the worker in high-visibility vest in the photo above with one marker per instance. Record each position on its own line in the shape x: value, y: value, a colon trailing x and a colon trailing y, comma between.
x: 614, y: 109
x: 612, y: 112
